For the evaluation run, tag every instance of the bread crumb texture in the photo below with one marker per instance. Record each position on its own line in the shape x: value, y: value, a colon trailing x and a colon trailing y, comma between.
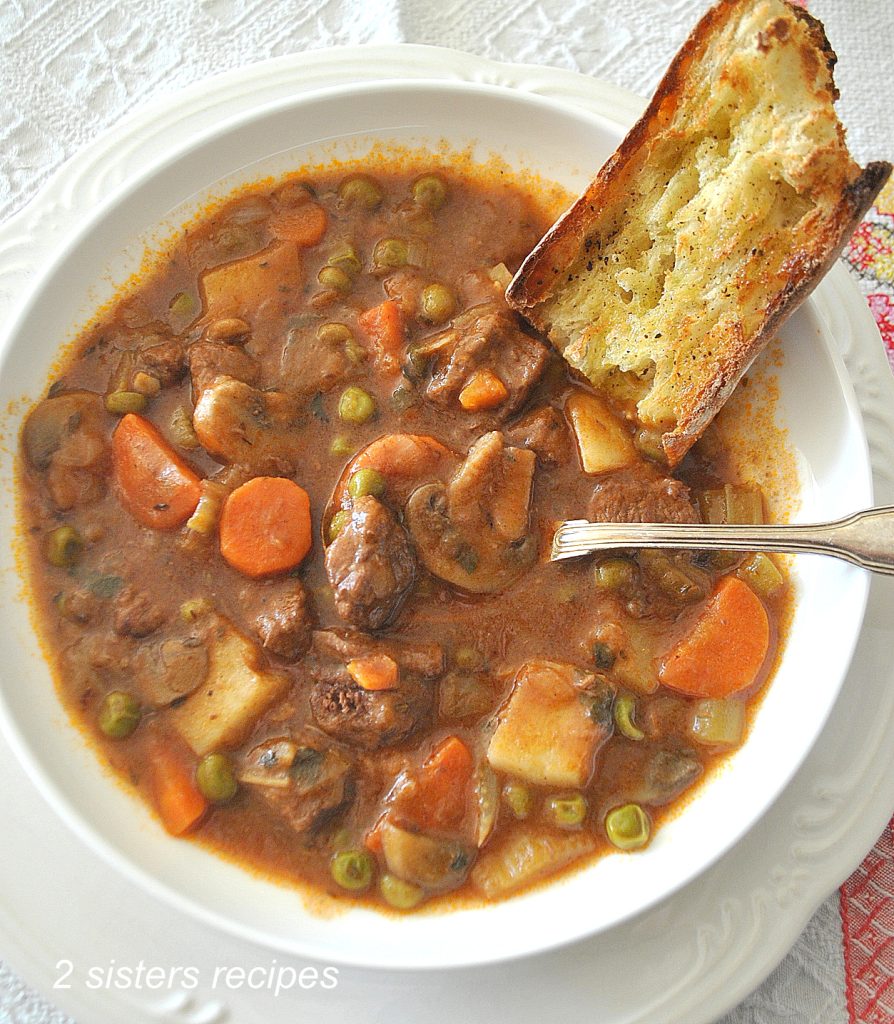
x: 666, y: 278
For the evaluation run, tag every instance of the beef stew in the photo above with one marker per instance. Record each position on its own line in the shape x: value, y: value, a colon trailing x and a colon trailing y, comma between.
x: 288, y: 504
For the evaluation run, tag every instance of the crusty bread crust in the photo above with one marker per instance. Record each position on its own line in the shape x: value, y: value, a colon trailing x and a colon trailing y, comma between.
x: 537, y: 290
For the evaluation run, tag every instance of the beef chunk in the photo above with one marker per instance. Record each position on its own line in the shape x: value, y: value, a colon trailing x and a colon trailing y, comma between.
x: 365, y: 718
x: 321, y: 788
x: 371, y: 566
x: 136, y: 614
x: 284, y: 623
x: 545, y: 432
x: 166, y: 361
x: 209, y: 361
x: 405, y: 287
x: 487, y: 337
x: 634, y: 497
x: 310, y: 364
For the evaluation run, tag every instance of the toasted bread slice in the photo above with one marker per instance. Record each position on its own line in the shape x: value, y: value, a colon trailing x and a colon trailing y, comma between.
x: 716, y: 217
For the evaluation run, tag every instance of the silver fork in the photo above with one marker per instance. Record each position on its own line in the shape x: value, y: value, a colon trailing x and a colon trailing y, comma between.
x: 864, y: 538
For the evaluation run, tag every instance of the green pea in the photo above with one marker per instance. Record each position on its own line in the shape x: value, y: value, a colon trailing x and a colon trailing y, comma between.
x: 346, y: 259
x: 119, y: 715
x: 215, y: 778
x: 352, y: 870
x: 437, y: 303
x: 625, y: 712
x: 360, y: 190
x: 121, y: 402
x: 64, y: 546
x: 336, y: 279
x: 341, y: 446
x: 518, y: 799
x: 614, y: 573
x: 338, y: 522
x: 430, y: 191
x: 366, y: 481
x: 356, y: 405
x: 567, y: 811
x: 335, y: 334
x: 400, y: 894
x: 390, y: 252
x: 627, y: 827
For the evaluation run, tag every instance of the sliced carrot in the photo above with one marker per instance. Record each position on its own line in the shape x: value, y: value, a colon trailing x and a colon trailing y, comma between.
x: 726, y: 647
x: 384, y: 326
x: 305, y: 225
x: 439, y: 799
x: 265, y: 526
x: 374, y: 672
x: 483, y: 390
x: 157, y: 486
x: 177, y: 798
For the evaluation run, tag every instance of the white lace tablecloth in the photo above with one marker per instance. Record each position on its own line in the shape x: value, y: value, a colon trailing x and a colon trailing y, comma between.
x: 69, y: 68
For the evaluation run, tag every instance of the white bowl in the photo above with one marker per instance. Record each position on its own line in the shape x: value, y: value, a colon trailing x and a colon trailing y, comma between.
x: 816, y: 406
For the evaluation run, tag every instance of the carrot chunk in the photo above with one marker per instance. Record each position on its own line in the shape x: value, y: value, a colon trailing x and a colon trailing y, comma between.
x: 156, y: 485
x: 305, y: 225
x: 483, y: 390
x: 725, y: 649
x: 384, y: 326
x: 440, y: 797
x: 374, y: 672
x: 177, y: 798
x: 265, y: 526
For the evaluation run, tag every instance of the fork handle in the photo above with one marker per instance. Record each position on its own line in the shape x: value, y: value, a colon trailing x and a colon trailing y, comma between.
x: 864, y: 538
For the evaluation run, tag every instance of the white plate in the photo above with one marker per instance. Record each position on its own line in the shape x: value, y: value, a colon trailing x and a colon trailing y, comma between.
x: 598, y: 981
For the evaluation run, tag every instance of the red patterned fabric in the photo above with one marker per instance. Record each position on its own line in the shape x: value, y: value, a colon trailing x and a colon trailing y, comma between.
x: 882, y: 307
x: 867, y: 921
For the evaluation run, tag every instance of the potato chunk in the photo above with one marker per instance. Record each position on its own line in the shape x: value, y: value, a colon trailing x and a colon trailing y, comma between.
x: 244, y: 287
x: 547, y: 732
x: 602, y: 442
x: 523, y: 858
x: 235, y: 694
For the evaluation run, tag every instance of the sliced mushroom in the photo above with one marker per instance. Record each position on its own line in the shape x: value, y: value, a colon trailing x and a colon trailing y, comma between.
x: 171, y: 669
x: 270, y: 763
x: 309, y: 786
x: 55, y: 420
x: 434, y: 864
x: 474, y: 532
x: 487, y: 796
x: 66, y: 437
x: 237, y: 423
